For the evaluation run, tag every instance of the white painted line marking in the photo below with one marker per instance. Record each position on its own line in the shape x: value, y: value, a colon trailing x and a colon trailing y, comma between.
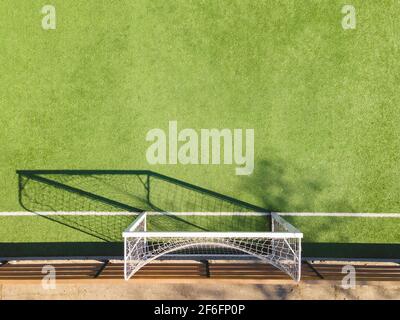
x: 288, y: 214
x: 96, y: 213
x: 340, y: 214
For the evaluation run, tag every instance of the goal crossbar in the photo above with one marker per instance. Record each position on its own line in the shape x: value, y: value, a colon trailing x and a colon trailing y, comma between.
x: 189, y: 234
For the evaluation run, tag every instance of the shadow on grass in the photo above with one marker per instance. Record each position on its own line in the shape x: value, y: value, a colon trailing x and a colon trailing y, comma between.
x: 352, y: 250
x: 115, y: 249
x: 61, y: 249
x: 283, y: 187
x: 137, y: 191
x: 77, y: 194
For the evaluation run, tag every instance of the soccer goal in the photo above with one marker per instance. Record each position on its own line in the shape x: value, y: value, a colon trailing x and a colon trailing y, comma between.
x: 264, y: 236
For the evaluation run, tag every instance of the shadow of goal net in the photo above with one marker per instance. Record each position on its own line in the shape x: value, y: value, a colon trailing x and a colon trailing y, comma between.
x: 179, y: 219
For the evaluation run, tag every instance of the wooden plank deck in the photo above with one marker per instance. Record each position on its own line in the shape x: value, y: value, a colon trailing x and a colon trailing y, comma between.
x: 196, y: 270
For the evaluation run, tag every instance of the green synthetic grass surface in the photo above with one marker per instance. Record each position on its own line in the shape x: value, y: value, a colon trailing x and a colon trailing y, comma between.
x: 315, y: 229
x: 38, y: 229
x: 323, y: 101
x: 95, y: 228
x: 347, y: 230
x: 323, y: 236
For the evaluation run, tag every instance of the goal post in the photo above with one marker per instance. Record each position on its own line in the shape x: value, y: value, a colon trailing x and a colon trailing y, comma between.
x: 154, y: 234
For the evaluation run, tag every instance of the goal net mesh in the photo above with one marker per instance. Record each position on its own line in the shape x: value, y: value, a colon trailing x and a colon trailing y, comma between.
x: 281, y: 248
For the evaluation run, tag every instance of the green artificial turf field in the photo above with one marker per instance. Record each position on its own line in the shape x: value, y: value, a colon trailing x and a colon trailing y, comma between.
x: 323, y: 237
x: 323, y: 101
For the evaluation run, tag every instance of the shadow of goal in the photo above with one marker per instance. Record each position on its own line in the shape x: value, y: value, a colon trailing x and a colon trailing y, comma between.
x: 181, y: 220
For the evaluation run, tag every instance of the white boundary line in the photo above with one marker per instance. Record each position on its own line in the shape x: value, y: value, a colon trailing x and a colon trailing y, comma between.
x: 63, y: 213
x: 288, y: 214
x: 340, y: 214
x: 125, y: 213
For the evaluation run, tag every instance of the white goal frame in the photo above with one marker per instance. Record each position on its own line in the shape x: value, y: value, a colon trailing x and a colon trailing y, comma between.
x: 281, y: 247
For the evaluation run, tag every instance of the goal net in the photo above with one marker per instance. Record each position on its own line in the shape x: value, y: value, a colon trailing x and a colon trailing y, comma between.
x: 265, y: 236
